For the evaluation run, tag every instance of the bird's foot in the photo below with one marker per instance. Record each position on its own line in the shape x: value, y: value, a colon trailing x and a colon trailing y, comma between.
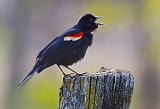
x: 68, y: 75
x: 79, y: 74
x: 73, y: 75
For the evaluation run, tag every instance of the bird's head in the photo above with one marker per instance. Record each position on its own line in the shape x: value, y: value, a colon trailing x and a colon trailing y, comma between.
x: 88, y: 23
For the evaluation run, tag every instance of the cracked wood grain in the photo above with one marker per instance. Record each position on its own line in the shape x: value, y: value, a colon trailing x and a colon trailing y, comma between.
x: 107, y: 89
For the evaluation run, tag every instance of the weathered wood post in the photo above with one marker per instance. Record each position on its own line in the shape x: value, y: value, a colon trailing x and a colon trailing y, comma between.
x: 107, y: 89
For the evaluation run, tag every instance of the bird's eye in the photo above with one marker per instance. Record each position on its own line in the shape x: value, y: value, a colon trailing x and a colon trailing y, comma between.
x: 90, y: 19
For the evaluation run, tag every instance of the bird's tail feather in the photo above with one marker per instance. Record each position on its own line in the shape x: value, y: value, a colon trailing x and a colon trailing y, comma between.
x: 28, y: 76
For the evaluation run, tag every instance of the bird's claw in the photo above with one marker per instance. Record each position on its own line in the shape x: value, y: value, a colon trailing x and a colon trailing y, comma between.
x: 67, y: 75
x: 73, y: 75
x: 78, y: 74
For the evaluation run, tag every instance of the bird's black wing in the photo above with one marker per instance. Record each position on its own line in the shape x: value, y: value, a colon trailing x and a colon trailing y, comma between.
x: 43, y: 50
x: 57, y: 49
x: 57, y: 39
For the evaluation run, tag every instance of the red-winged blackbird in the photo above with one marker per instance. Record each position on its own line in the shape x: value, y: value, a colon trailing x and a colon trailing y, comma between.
x: 67, y: 48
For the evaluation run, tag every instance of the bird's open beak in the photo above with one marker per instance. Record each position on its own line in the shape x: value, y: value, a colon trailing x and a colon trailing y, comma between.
x: 98, y: 23
x: 99, y: 17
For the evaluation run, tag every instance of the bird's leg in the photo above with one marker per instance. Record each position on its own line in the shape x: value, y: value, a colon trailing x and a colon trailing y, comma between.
x: 74, y: 71
x: 61, y: 70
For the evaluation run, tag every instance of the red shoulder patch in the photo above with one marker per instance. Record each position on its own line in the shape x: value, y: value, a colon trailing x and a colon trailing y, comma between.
x: 80, y: 34
x: 74, y: 37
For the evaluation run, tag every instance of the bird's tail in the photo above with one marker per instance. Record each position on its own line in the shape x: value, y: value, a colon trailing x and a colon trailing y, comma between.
x: 29, y: 75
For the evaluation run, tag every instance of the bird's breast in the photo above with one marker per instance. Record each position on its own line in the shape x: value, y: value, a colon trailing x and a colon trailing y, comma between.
x: 77, y: 51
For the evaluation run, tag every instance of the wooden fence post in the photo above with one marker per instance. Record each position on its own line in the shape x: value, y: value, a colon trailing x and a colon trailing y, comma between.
x: 107, y: 89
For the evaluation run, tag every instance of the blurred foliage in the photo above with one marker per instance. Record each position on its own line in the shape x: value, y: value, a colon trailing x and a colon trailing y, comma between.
x: 41, y: 93
x: 112, y: 11
x: 5, y: 39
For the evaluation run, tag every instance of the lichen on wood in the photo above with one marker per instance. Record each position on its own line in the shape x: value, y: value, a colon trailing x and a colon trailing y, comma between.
x: 106, y: 89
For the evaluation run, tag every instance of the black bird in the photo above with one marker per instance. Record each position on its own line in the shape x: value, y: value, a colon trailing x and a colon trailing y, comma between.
x: 66, y: 49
